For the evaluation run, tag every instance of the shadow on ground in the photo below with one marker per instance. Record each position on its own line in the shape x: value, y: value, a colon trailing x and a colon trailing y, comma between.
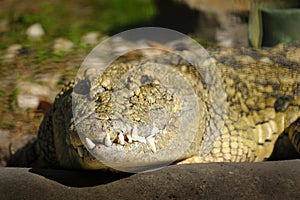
x: 79, y: 178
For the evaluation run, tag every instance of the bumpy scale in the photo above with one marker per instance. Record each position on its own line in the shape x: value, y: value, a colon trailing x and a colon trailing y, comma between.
x: 262, y: 103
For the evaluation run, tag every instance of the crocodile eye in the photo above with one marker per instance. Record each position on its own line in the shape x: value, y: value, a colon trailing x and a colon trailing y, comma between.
x: 82, y: 87
x: 145, y: 79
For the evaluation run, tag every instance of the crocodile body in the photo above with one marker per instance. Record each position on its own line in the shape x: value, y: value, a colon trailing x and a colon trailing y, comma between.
x: 260, y: 102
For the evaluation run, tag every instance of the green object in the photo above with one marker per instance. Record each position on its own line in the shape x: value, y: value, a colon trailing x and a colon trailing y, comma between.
x: 280, y: 26
x: 255, y: 28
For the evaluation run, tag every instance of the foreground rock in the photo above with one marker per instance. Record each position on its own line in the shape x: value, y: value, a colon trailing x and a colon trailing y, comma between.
x: 266, y: 180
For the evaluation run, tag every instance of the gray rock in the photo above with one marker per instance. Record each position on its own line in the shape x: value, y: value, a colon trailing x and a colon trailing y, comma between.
x: 35, y: 32
x: 62, y: 45
x: 265, y: 180
x: 11, y: 52
x: 30, y: 94
x: 91, y: 38
x: 28, y: 101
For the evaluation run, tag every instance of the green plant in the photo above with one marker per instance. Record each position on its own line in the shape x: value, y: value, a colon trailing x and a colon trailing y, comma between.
x: 13, y: 99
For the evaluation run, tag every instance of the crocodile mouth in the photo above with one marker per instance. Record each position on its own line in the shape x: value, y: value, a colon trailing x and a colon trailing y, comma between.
x: 125, y: 139
x: 140, y: 149
x: 82, y: 152
x: 116, y: 145
x: 147, y: 115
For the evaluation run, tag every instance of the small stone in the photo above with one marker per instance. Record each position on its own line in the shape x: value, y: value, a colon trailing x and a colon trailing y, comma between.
x: 30, y: 94
x: 28, y: 101
x: 49, y: 79
x: 90, y: 38
x: 226, y: 43
x: 35, y: 32
x: 62, y: 45
x: 11, y: 52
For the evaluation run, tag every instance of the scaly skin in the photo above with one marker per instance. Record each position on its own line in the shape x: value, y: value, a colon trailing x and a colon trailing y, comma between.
x: 257, y: 100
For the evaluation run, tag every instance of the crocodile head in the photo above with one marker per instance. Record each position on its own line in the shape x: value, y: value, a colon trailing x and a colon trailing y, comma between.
x: 141, y: 122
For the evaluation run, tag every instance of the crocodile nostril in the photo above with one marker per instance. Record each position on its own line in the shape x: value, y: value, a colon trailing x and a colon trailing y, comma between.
x: 282, y: 103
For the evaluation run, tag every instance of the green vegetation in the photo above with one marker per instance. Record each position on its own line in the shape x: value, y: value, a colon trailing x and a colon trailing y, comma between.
x: 68, y: 19
x: 71, y: 19
x: 13, y: 99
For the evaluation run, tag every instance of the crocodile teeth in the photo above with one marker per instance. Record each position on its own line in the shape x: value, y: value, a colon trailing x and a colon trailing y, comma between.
x: 80, y: 152
x: 107, y: 140
x: 129, y: 138
x: 154, y: 130
x: 121, y: 139
x: 136, y: 137
x: 151, y: 143
x: 135, y: 131
x: 89, y: 143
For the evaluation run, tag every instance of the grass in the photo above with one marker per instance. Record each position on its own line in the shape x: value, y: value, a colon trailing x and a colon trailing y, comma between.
x: 71, y: 19
x: 13, y: 99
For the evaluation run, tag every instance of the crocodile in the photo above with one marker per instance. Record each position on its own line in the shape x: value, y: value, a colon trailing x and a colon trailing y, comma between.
x: 238, y: 119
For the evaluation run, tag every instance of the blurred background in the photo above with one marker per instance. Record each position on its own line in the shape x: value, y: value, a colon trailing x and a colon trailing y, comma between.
x: 42, y: 43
